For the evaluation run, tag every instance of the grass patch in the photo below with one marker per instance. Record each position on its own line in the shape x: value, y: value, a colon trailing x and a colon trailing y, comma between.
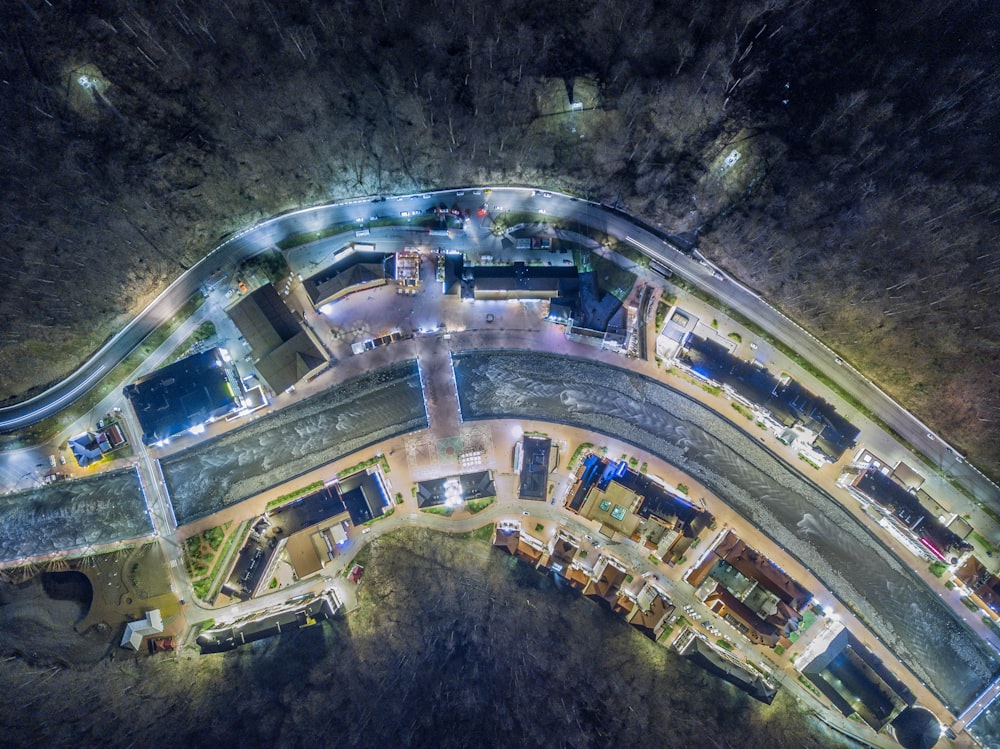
x: 810, y: 461
x: 383, y: 516
x: 983, y: 541
x: 736, y: 337
x: 478, y: 505
x: 779, y: 650
x: 203, y: 582
x: 445, y: 511
x: 809, y: 685
x: 938, y: 568
x: 202, y: 333
x: 365, y: 464
x: 988, y: 621
x: 539, y: 527
x: 683, y: 489
x: 724, y: 644
x: 741, y: 409
x: 294, y: 494
x: 298, y: 240
x: 485, y: 533
x: 579, y: 449
x: 662, y: 308
x: 969, y: 603
x: 612, y: 277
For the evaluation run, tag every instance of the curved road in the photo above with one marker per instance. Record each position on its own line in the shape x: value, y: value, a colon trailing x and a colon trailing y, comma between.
x: 265, y: 235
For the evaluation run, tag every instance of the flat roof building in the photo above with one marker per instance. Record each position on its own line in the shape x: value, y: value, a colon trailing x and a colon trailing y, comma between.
x: 365, y: 496
x: 535, y: 455
x: 519, y: 281
x: 283, y: 350
x: 184, y: 395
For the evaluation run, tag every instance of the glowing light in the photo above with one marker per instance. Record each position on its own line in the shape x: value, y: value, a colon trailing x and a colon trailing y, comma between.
x: 453, y: 495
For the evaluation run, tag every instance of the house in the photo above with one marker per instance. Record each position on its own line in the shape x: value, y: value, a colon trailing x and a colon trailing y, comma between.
x: 355, y: 270
x: 283, y: 350
x: 150, y: 624
x: 651, y: 612
x: 604, y: 585
x: 85, y: 449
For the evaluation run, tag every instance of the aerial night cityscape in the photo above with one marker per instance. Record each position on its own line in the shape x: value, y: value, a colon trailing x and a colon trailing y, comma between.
x: 437, y: 374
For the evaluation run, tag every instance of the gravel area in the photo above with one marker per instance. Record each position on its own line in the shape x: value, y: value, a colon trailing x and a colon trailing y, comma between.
x: 73, y: 514
x: 804, y: 520
x: 288, y: 443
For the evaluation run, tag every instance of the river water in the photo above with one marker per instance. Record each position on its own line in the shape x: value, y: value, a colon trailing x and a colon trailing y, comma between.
x: 804, y: 520
x: 276, y: 448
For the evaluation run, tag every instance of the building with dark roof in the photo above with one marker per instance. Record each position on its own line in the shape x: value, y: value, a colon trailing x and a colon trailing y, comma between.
x: 184, y: 395
x: 749, y: 590
x: 354, y: 271
x: 907, y: 509
x: 696, y: 649
x: 856, y: 681
x: 219, y: 640
x: 283, y: 350
x: 455, y: 489
x: 626, y: 501
x: 365, y: 495
x: 787, y: 400
x: 519, y: 281
x: 535, y: 454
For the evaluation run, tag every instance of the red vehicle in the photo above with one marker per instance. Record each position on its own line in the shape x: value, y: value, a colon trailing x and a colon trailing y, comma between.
x: 160, y: 645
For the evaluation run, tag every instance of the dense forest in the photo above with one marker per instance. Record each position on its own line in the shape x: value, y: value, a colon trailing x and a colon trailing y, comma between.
x: 452, y: 644
x: 137, y: 133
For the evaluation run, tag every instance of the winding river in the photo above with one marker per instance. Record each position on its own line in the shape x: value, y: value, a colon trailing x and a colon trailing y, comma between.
x: 796, y: 514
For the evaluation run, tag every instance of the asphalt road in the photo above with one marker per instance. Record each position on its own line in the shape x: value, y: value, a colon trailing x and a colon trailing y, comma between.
x: 263, y: 236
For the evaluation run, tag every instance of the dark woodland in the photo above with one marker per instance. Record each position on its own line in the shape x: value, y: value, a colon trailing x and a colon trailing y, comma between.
x: 868, y: 209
